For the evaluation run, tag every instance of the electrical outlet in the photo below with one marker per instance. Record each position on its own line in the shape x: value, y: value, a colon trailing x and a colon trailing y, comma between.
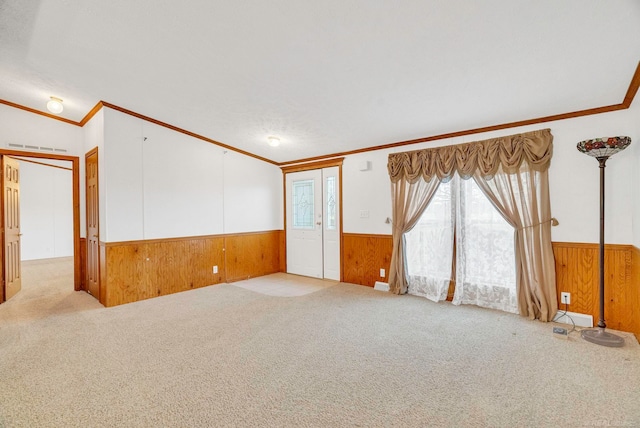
x: 565, y: 298
x: 215, y: 269
x: 560, y: 332
x: 382, y: 273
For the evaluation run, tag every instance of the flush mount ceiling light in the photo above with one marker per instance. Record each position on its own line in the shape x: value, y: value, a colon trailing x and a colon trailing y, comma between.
x: 54, y: 105
x: 273, y: 141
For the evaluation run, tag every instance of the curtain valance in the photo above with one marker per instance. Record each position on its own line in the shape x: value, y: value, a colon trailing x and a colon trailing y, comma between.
x: 485, y: 157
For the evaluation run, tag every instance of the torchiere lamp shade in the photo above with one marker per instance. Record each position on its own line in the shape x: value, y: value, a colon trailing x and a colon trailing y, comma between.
x: 604, y: 148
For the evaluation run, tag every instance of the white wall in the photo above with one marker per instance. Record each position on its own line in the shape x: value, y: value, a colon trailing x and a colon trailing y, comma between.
x: 574, y: 180
x: 28, y: 129
x: 157, y: 183
x: 93, y: 136
x: 121, y: 184
x: 252, y: 194
x: 46, y: 211
x: 21, y: 127
x: 182, y: 185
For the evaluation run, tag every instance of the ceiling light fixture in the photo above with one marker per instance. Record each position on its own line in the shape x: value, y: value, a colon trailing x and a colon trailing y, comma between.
x: 54, y: 105
x: 273, y: 141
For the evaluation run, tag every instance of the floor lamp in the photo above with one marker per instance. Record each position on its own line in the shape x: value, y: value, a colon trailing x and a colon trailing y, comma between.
x: 602, y: 149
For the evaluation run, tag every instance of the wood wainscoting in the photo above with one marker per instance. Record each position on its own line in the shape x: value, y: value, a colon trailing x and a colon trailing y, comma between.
x: 576, y: 273
x: 635, y: 290
x: 364, y: 256
x: 138, y: 270
x: 252, y: 254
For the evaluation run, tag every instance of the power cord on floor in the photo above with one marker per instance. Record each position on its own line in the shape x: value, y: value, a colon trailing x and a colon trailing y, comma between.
x: 565, y: 314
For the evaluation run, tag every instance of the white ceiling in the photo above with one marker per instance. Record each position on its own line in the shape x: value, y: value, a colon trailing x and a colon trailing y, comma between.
x: 325, y: 76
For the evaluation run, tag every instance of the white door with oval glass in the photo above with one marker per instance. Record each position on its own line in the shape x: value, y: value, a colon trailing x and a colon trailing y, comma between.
x: 313, y: 223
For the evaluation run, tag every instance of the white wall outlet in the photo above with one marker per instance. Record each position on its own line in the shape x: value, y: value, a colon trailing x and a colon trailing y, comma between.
x: 382, y: 273
x: 215, y: 269
x: 565, y: 298
x: 364, y: 214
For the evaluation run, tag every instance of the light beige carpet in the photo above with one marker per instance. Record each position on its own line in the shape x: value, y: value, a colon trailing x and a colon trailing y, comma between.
x: 342, y: 356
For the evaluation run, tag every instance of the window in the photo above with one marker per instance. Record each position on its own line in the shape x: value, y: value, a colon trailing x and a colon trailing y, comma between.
x: 331, y: 203
x: 484, y: 272
x: 303, y: 204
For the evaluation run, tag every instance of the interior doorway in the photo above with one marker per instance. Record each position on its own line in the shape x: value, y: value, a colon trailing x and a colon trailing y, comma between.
x: 12, y: 199
x: 313, y: 220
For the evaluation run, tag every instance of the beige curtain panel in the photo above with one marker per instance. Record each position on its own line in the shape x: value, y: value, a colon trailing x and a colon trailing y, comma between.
x: 512, y: 172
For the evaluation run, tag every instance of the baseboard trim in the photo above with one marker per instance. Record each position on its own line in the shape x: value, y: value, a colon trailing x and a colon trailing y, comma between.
x: 580, y: 320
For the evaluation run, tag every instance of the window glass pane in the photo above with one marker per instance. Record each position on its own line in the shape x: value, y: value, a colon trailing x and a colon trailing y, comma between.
x: 485, y: 255
x: 484, y: 249
x: 331, y: 221
x: 429, y: 247
x: 488, y: 239
x: 303, y: 204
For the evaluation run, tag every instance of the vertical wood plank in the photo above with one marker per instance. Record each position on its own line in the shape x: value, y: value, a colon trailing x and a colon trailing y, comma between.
x: 364, y: 256
x: 253, y: 254
x: 102, y: 254
x: 634, y: 292
x: 577, y: 272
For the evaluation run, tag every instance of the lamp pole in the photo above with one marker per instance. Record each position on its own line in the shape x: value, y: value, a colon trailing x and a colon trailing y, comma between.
x: 602, y: 161
x: 602, y: 149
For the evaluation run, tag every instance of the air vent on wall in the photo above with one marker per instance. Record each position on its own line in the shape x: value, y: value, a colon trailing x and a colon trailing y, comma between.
x: 39, y: 148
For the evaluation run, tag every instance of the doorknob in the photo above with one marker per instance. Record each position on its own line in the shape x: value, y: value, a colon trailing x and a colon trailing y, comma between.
x: 94, y: 236
x: 319, y: 223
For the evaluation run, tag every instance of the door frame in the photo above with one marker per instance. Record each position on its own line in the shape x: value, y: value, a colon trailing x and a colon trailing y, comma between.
x: 306, y: 167
x: 78, y: 283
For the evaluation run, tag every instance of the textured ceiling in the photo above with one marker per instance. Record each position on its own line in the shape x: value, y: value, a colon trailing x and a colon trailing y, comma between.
x: 326, y: 76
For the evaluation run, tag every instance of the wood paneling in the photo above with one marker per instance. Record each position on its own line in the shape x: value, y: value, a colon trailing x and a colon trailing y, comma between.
x: 282, y: 236
x: 141, y: 271
x: 364, y: 256
x: 252, y: 254
x: 634, y: 290
x: 132, y: 271
x: 102, y: 253
x: 577, y: 272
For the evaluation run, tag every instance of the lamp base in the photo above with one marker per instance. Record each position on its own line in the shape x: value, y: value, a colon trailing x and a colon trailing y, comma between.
x: 601, y: 337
